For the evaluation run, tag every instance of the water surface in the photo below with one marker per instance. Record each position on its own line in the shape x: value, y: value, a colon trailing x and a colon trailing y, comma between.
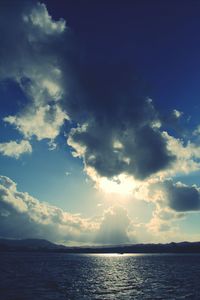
x: 35, y: 276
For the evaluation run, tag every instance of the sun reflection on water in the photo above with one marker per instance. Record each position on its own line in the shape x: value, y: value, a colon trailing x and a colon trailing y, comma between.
x: 120, y: 255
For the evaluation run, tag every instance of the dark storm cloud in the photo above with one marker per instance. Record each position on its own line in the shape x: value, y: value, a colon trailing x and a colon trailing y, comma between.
x: 120, y: 132
x: 181, y: 197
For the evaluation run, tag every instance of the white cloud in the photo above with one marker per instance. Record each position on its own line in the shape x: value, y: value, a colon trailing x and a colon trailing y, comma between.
x: 34, y: 65
x: 114, y: 227
x: 15, y: 149
x: 119, y: 136
x: 43, y: 122
x: 188, y: 156
x: 173, y: 201
x: 7, y: 195
x: 40, y: 18
x: 197, y: 131
x: 177, y: 113
x: 23, y: 216
x: 164, y: 221
x: 39, y: 219
x: 122, y: 184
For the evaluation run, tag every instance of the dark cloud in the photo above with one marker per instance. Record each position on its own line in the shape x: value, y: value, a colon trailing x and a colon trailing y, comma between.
x: 107, y: 98
x: 181, y: 197
x: 120, y: 132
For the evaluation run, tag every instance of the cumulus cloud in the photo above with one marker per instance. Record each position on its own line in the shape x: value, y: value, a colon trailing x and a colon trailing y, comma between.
x: 164, y: 221
x: 34, y: 65
x: 118, y: 129
x: 23, y: 216
x: 15, y: 149
x: 177, y: 196
x: 181, y: 197
x: 40, y: 18
x: 172, y: 201
x: 176, y: 114
x: 187, y: 153
x: 119, y: 132
x: 43, y: 122
x: 114, y: 226
x: 196, y: 132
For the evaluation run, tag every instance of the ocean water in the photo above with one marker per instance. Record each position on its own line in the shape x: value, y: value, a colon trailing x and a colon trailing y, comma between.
x: 35, y: 276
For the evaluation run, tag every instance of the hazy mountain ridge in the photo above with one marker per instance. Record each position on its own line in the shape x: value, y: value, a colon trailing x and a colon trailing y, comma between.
x: 38, y: 245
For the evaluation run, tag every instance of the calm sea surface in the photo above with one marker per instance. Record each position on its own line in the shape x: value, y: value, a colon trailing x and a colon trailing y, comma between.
x: 25, y: 276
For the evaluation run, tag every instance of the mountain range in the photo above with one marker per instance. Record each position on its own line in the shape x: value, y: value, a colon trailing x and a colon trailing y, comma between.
x: 41, y: 245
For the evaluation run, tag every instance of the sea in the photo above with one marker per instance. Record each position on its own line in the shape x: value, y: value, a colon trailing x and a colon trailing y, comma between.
x: 38, y: 276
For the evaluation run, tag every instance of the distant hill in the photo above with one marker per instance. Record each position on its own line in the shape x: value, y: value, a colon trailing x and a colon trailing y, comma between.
x: 28, y: 245
x: 41, y: 245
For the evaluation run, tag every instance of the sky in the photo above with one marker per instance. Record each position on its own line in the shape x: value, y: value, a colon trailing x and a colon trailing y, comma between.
x: 99, y: 121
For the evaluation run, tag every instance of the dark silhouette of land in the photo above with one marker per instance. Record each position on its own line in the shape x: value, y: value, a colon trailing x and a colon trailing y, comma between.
x: 40, y: 245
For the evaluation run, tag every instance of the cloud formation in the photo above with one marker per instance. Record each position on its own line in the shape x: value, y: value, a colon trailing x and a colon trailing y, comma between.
x: 181, y: 197
x: 188, y: 155
x: 22, y: 216
x: 41, y: 20
x: 15, y: 149
x: 42, y: 122
x: 114, y: 226
x: 177, y: 196
x: 118, y: 129
x: 172, y: 202
x: 34, y: 65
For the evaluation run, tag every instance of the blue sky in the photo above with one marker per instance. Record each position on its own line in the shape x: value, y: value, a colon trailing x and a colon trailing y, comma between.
x: 100, y: 121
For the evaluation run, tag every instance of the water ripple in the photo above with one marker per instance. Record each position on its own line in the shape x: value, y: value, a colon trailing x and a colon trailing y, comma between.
x: 35, y: 276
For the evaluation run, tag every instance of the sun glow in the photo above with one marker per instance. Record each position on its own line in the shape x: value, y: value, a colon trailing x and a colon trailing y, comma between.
x: 122, y: 185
